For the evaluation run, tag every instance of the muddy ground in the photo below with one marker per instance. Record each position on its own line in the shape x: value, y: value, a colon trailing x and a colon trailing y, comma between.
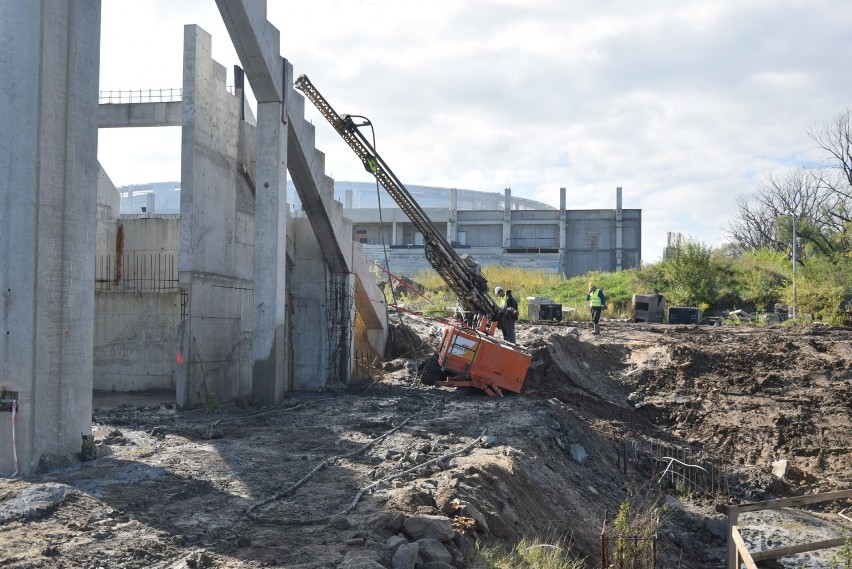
x: 343, y: 478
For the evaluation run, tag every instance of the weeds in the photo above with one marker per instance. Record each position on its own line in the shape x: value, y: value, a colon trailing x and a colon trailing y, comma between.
x: 526, y: 554
x: 842, y: 559
x: 211, y: 403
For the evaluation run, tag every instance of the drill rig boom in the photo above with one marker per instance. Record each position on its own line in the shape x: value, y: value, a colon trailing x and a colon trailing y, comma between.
x: 470, y: 286
x: 466, y: 357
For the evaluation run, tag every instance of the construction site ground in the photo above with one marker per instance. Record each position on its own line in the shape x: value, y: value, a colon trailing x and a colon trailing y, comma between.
x: 335, y: 479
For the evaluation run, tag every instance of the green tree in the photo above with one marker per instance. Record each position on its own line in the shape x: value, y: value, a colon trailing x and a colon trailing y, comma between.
x: 688, y: 275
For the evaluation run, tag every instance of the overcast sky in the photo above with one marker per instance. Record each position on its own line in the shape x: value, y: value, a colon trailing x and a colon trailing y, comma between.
x: 684, y: 104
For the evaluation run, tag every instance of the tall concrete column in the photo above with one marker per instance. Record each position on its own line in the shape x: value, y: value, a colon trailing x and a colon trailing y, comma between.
x: 619, y: 231
x: 49, y: 63
x: 452, y: 223
x: 507, y: 217
x: 394, y: 238
x: 269, y: 338
x: 563, y: 237
x: 348, y: 200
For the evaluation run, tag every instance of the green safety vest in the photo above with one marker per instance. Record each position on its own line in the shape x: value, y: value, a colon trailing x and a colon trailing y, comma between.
x: 595, y: 298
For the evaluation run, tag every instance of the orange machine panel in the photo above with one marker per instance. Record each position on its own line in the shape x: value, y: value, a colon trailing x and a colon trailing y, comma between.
x: 477, y: 360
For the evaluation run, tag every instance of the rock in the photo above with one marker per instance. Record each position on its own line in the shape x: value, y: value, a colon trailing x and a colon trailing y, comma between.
x: 634, y: 397
x: 361, y: 560
x: 427, y: 526
x: 433, y: 550
x: 102, y: 450
x: 339, y: 522
x: 780, y: 468
x: 473, y: 512
x: 717, y: 528
x: 36, y: 500
x: 464, y: 544
x: 405, y: 556
x: 578, y: 453
x: 391, y: 520
x: 489, y: 441
x: 394, y: 542
x: 500, y: 527
x: 437, y: 565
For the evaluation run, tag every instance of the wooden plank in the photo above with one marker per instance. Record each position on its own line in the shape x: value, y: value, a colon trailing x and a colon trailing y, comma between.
x: 794, y: 549
x: 792, y: 502
x: 742, y: 551
x: 733, y: 514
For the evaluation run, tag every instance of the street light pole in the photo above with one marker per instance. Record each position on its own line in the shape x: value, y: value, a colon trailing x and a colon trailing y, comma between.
x: 794, y: 266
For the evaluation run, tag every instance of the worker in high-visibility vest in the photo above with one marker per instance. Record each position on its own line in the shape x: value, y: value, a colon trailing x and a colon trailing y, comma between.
x: 597, y: 302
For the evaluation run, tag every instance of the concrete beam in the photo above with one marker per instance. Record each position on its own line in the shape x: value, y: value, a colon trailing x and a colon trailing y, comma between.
x: 258, y: 45
x: 124, y: 115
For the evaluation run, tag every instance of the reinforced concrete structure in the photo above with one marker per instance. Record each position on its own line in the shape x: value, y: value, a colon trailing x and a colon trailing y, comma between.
x: 234, y: 297
x: 236, y: 315
x: 563, y: 241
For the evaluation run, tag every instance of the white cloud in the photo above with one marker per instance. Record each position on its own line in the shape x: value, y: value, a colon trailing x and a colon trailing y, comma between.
x: 683, y: 104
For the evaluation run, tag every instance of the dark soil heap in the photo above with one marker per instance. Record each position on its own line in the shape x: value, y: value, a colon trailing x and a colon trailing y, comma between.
x: 390, y: 471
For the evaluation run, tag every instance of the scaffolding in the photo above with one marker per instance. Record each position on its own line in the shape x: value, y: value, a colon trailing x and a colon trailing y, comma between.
x: 340, y: 324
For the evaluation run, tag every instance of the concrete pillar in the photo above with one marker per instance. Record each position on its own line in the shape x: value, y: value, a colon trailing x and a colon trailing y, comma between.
x: 619, y: 231
x: 48, y: 224
x: 348, y: 200
x: 563, y: 236
x: 394, y: 237
x: 269, y: 339
x: 507, y: 218
x: 150, y: 203
x: 452, y: 223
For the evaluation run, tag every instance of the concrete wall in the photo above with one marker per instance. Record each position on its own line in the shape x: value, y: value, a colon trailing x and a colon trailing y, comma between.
x: 591, y: 240
x: 307, y: 287
x: 410, y: 262
x: 216, y: 234
x: 109, y: 206
x: 587, y: 240
x: 48, y: 214
x: 147, y: 235
x: 135, y: 340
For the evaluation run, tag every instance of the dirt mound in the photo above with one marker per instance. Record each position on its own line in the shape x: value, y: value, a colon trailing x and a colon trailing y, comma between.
x: 341, y: 479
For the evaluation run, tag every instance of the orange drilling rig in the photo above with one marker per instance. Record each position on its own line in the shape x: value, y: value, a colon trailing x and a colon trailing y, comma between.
x: 468, y: 356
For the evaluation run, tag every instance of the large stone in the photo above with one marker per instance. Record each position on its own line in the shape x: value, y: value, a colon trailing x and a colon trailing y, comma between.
x: 405, y: 556
x: 394, y: 542
x: 425, y: 526
x: 433, y: 550
x: 578, y: 453
x: 780, y: 468
x: 473, y: 512
x: 390, y: 520
x: 360, y: 560
x: 35, y: 500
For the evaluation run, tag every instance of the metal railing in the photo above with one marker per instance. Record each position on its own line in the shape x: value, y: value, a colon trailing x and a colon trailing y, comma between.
x: 123, y: 97
x: 140, y: 96
x: 137, y: 272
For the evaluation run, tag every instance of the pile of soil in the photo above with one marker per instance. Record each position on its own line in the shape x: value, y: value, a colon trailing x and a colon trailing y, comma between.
x: 341, y: 478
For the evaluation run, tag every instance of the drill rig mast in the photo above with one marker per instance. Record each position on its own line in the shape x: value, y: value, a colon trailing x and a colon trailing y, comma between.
x: 466, y: 357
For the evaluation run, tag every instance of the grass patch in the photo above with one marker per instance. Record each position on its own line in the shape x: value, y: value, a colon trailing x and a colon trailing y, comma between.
x: 526, y: 554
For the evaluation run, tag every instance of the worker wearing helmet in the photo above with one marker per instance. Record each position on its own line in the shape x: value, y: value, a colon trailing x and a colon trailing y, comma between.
x: 509, y: 313
x: 597, y: 302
